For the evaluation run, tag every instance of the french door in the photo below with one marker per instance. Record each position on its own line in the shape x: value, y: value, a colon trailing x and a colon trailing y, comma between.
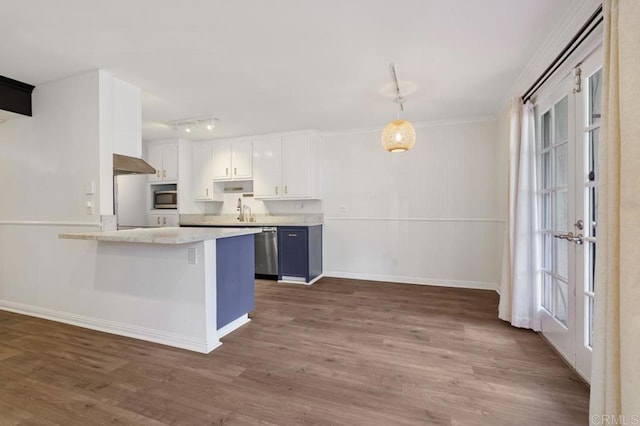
x: 568, y: 124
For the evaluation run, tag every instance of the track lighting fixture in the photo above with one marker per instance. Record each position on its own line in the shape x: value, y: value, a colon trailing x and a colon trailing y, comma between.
x: 191, y: 125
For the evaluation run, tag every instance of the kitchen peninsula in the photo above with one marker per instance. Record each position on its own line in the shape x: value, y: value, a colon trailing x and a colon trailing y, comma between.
x: 175, y: 286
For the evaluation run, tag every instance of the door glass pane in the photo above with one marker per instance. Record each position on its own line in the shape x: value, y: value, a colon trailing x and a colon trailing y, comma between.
x: 546, y: 170
x: 590, y: 254
x: 595, y: 97
x: 561, y: 301
x: 546, y: 251
x: 546, y: 291
x: 592, y: 213
x: 546, y: 130
x: 545, y: 216
x: 561, y: 165
x: 560, y: 258
x: 594, y: 141
x: 590, y: 321
x: 561, y: 110
x: 560, y: 210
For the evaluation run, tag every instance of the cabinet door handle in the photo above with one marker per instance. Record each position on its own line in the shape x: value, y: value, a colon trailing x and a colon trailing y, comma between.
x: 292, y: 235
x: 276, y: 190
x: 157, y: 173
x: 164, y: 221
x: 226, y: 171
x: 285, y: 189
x: 158, y: 220
x: 235, y: 171
x: 164, y: 173
x: 207, y: 192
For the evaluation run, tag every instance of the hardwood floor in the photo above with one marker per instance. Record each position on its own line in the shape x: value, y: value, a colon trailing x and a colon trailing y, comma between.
x: 340, y: 352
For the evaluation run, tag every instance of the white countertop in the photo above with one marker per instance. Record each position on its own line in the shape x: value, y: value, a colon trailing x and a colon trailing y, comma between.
x: 161, y: 235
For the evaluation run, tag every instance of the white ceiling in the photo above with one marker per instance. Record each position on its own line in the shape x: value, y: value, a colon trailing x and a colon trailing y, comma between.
x: 281, y: 65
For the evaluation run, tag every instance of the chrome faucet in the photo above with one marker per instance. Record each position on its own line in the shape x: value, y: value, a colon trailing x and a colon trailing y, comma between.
x: 240, y: 211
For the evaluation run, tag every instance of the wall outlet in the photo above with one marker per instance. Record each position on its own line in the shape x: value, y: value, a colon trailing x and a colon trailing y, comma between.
x: 89, y: 206
x: 192, y: 253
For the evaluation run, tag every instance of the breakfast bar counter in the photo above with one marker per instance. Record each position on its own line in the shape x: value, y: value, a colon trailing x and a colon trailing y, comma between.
x: 183, y: 287
x: 169, y: 235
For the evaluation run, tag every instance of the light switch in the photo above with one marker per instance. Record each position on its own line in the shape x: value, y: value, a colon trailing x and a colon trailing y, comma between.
x: 90, y: 187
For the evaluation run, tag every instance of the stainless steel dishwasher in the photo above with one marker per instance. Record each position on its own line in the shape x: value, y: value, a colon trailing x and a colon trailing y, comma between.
x: 266, y: 251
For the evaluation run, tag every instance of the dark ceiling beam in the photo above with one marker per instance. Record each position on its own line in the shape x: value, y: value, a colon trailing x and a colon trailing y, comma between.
x: 15, y: 96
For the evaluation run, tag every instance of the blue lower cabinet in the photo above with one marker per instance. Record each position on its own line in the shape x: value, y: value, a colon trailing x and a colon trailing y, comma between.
x: 235, y: 278
x: 299, y: 252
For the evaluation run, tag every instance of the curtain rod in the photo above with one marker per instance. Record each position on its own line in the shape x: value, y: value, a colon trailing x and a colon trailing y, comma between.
x: 575, y: 42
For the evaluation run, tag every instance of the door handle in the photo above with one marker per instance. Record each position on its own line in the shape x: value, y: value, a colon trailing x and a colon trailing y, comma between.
x: 164, y: 221
x: 158, y: 220
x: 576, y: 239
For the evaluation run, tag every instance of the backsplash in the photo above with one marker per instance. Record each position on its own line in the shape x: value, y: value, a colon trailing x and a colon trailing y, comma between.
x: 259, y: 207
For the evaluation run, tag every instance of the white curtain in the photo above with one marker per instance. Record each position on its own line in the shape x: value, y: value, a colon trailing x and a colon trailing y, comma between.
x: 520, y: 285
x: 615, y: 374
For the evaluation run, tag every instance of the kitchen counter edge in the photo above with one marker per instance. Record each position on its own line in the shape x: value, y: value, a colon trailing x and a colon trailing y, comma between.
x: 169, y: 235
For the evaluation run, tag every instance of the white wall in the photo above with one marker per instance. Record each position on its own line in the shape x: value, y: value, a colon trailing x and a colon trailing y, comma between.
x: 429, y: 216
x: 45, y: 163
x: 46, y: 160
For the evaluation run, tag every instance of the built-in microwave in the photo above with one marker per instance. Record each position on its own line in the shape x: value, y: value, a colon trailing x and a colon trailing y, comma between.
x: 165, y: 199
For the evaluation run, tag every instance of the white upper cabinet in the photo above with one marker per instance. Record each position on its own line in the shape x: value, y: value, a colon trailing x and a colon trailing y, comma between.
x: 297, y: 170
x: 222, y: 160
x: 170, y: 161
x: 163, y: 156
x: 154, y: 157
x: 233, y: 160
x: 242, y: 159
x: 267, y: 168
x: 285, y: 167
x: 202, y: 187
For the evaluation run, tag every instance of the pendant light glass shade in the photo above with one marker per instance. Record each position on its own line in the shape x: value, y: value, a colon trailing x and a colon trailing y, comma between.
x: 398, y: 136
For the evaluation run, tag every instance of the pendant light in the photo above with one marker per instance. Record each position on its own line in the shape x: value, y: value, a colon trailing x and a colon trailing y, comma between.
x: 399, y: 135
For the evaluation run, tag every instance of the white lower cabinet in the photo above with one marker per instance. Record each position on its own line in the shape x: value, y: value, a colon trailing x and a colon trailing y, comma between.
x: 162, y: 220
x: 285, y: 167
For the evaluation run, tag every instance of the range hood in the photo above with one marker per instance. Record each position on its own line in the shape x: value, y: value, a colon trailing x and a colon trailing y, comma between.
x: 125, y: 165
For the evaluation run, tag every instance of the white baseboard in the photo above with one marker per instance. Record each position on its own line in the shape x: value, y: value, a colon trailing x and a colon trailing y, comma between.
x: 112, y: 327
x: 233, y: 325
x: 479, y: 285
